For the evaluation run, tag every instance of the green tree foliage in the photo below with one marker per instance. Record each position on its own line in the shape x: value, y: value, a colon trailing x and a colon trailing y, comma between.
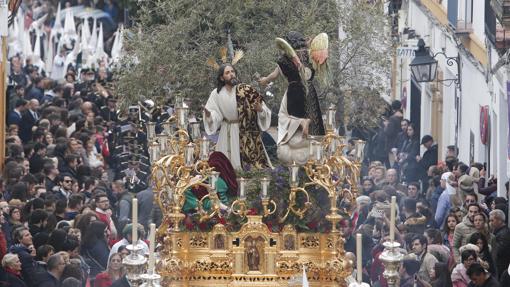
x: 169, y: 46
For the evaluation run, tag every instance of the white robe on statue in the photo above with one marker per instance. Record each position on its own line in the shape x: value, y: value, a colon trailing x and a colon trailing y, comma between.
x: 224, y: 116
x: 292, y: 147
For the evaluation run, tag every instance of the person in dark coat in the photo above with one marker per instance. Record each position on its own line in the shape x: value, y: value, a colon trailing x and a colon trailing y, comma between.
x: 429, y: 159
x: 410, y: 149
x: 480, y: 278
x: 23, y: 239
x: 394, y: 125
x: 12, y: 267
x: 94, y: 248
x: 15, y: 115
x: 52, y: 277
x: 501, y: 243
x: 29, y: 119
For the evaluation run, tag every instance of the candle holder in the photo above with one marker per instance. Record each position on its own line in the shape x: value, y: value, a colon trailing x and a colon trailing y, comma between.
x: 150, y: 279
x: 333, y: 216
x: 293, y: 205
x: 195, y: 131
x: 330, y: 119
x: 239, y: 207
x: 151, y: 130
x: 391, y: 259
x: 135, y: 264
x: 265, y: 206
x: 213, y: 198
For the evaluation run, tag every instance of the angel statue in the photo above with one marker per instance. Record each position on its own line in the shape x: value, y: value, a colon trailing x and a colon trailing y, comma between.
x: 300, y: 114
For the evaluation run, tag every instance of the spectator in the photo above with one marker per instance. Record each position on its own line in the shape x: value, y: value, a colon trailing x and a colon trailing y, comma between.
x: 501, y: 243
x: 427, y: 260
x: 12, y: 267
x: 16, y: 114
x: 464, y: 229
x: 444, y: 204
x: 94, y: 248
x: 480, y: 278
x: 429, y: 159
x: 459, y: 275
x: 484, y: 255
x: 29, y: 119
x: 126, y: 239
x: 408, y: 271
x: 51, y: 278
x: 102, y: 212
x: 113, y: 272
x: 23, y: 242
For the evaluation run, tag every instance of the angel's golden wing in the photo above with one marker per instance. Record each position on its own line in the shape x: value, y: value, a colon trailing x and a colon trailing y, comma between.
x: 285, y: 47
x: 319, y: 54
x: 319, y: 49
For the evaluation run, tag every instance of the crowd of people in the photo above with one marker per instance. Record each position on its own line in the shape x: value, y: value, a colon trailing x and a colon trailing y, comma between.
x: 69, y: 176
x: 451, y: 224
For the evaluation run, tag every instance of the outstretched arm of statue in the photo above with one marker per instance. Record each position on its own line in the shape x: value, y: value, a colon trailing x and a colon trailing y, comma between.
x: 269, y: 78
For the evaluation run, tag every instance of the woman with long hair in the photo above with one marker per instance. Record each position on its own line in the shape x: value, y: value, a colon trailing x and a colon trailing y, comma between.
x: 441, y: 275
x: 410, y: 149
x: 484, y: 255
x: 94, y: 248
x: 114, y: 271
x: 448, y: 229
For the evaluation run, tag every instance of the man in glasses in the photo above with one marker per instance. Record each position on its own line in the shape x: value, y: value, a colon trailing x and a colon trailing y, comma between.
x: 65, y: 182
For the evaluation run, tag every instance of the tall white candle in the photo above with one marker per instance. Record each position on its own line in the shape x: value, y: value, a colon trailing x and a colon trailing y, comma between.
x: 134, y: 231
x: 392, y: 217
x: 181, y: 117
x: 204, y: 150
x: 359, y: 267
x: 318, y: 152
x: 294, y: 172
x: 242, y: 183
x: 265, y: 182
x: 152, y: 241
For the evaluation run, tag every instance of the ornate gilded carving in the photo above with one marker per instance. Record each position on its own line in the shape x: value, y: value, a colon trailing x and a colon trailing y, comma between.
x: 310, y: 241
x: 198, y: 240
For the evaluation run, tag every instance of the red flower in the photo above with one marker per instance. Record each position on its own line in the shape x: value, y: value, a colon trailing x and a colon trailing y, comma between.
x: 222, y: 220
x: 312, y: 225
x: 270, y: 226
x: 252, y: 211
x: 188, y: 222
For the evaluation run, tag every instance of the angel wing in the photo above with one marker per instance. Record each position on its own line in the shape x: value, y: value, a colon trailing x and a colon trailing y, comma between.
x: 288, y: 50
x: 319, y: 54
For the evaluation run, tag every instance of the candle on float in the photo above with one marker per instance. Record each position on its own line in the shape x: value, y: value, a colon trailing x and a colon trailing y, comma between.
x: 265, y: 182
x: 181, y: 117
x: 318, y: 152
x: 294, y: 172
x: 242, y: 183
x: 152, y: 242
x: 359, y: 267
x: 134, y: 230
x: 392, y: 217
x: 331, y: 117
x: 205, y: 148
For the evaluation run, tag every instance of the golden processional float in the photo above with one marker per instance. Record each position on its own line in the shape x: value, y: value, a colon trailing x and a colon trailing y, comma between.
x: 250, y: 252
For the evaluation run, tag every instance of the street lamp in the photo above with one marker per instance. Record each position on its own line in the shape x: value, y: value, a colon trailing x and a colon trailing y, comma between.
x: 424, y: 65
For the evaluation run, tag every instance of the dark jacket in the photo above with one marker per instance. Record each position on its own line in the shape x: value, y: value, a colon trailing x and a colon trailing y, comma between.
x: 501, y: 249
x: 27, y: 263
x: 14, y: 281
x: 491, y: 282
x: 96, y: 256
x: 14, y: 119
x: 48, y: 280
x: 27, y: 122
x: 121, y: 282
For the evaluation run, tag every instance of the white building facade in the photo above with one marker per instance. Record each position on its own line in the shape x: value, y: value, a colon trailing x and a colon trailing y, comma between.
x: 450, y: 113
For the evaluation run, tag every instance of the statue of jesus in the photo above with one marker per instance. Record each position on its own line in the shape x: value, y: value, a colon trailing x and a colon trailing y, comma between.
x: 240, y: 113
